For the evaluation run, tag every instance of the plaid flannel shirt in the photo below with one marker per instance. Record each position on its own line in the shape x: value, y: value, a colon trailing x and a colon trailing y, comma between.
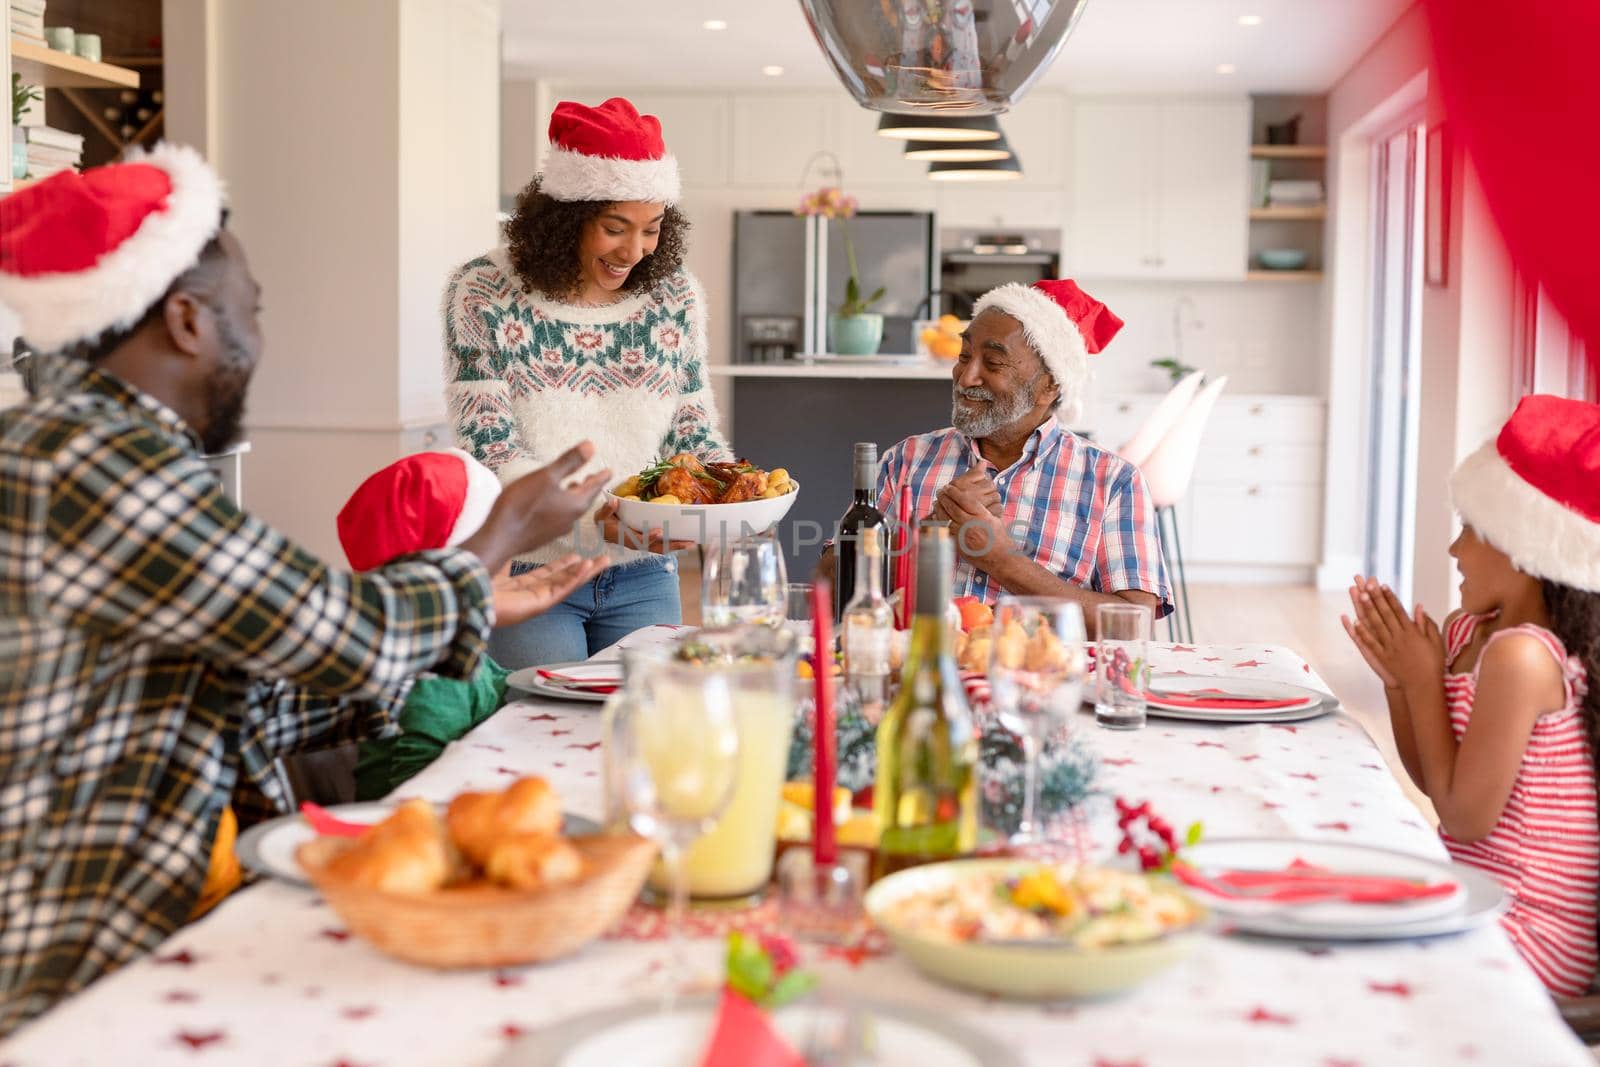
x: 1083, y: 513
x: 158, y: 649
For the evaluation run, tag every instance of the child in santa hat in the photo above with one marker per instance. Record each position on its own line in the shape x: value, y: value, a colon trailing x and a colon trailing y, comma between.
x: 1494, y: 714
x: 425, y: 501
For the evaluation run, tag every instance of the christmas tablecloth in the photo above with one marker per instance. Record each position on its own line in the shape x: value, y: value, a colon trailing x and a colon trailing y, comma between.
x: 271, y: 977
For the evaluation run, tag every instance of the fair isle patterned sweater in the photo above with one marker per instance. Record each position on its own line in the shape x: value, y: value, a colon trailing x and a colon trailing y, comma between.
x: 528, y: 377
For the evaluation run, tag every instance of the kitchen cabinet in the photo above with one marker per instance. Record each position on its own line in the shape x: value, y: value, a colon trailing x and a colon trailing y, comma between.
x: 699, y: 125
x: 1160, y: 189
x: 1255, y: 502
x: 776, y: 134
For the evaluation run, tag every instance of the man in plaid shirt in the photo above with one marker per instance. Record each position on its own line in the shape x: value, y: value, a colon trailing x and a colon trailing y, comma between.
x: 159, y: 648
x: 1033, y: 508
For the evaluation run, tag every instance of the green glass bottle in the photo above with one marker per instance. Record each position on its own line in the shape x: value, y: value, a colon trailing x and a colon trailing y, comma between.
x: 925, y: 795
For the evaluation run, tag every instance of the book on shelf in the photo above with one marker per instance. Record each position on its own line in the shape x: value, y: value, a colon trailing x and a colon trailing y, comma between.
x: 29, y: 7
x: 48, y: 135
x: 28, y: 38
x: 44, y: 154
x: 40, y: 171
x: 26, y: 25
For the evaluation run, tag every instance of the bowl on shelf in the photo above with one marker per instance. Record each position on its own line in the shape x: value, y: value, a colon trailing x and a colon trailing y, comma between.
x: 1282, y: 258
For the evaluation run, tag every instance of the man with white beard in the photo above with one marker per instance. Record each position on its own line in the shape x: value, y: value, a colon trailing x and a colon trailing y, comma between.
x: 1034, y: 509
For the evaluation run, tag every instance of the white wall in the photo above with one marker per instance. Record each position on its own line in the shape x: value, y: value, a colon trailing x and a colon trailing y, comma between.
x: 1466, y: 387
x: 359, y: 144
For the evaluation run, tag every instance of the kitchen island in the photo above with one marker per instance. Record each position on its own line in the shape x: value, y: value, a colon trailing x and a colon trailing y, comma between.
x: 805, y: 415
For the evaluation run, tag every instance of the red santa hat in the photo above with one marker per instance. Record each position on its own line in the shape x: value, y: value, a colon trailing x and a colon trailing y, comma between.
x: 610, y: 153
x: 81, y: 254
x: 1064, y: 324
x: 1534, y: 491
x: 427, y: 500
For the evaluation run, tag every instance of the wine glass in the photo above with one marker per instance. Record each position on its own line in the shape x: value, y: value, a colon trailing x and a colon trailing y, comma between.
x: 744, y: 582
x: 1037, y: 666
x: 674, y: 757
x: 797, y: 615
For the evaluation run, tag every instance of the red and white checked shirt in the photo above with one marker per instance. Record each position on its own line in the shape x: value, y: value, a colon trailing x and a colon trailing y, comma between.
x: 1079, y: 511
x: 1545, y: 849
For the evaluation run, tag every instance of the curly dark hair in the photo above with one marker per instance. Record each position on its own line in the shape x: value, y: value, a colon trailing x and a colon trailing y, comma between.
x: 543, y: 235
x: 1575, y: 618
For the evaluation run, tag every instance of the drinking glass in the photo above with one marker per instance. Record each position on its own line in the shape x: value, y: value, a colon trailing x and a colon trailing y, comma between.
x: 1037, y: 668
x: 1122, y: 665
x: 744, y: 582
x: 675, y: 761
x: 750, y: 670
x: 797, y: 615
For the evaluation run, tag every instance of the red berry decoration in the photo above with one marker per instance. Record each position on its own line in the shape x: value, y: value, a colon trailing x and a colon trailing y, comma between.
x: 1148, y: 836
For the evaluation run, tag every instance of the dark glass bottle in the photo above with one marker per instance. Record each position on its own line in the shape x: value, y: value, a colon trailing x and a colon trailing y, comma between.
x: 863, y: 514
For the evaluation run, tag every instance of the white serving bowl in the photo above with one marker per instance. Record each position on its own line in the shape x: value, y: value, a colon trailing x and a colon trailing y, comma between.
x: 705, y: 524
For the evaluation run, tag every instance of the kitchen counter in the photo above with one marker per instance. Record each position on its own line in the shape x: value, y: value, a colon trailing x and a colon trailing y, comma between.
x: 893, y: 368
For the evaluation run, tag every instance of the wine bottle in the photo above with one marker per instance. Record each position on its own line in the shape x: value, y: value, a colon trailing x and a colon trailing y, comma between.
x: 863, y: 514
x: 925, y: 795
x: 867, y: 630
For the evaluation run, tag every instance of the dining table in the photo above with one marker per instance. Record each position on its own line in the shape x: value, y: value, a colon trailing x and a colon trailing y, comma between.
x: 272, y: 977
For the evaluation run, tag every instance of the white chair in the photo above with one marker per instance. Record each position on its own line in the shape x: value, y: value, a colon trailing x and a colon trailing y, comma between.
x: 1167, y: 474
x: 1166, y: 414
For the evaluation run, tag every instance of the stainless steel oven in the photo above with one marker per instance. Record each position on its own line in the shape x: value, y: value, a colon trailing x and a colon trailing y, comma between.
x: 973, y: 261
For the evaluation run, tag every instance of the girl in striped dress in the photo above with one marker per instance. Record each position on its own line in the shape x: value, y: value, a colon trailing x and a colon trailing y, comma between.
x: 1494, y: 716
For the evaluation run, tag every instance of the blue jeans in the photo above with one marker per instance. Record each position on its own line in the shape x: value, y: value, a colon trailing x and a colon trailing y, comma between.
x: 597, y: 614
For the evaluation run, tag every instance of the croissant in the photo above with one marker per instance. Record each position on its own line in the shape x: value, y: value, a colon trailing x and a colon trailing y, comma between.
x: 533, y: 861
x: 405, y: 853
x: 478, y: 821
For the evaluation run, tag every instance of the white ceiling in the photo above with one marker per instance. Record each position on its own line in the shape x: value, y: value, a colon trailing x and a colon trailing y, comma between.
x: 1156, y: 46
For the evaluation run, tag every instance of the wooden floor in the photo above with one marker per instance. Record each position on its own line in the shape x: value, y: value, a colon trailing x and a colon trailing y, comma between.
x: 1298, y: 617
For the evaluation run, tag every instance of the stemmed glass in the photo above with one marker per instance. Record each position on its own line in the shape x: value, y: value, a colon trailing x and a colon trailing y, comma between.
x: 674, y: 757
x: 1037, y: 667
x: 744, y: 582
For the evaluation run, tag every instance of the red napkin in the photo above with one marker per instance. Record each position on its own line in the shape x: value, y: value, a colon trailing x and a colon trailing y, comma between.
x: 328, y: 824
x: 745, y: 1037
x: 1219, y: 700
x: 1304, y: 883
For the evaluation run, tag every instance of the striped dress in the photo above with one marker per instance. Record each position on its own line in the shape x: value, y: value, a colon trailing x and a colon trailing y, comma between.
x: 1545, y: 849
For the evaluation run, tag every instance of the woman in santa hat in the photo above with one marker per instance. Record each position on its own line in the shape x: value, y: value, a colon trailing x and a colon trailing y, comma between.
x: 585, y: 324
x: 1495, y: 715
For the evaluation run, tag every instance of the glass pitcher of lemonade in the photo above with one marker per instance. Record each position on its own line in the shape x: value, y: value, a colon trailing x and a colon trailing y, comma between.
x: 751, y: 669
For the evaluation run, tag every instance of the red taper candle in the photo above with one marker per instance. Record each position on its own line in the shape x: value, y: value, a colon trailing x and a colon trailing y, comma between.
x: 824, y: 849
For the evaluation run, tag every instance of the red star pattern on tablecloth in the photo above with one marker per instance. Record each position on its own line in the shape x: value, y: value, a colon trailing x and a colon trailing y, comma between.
x: 1248, y: 664
x: 1397, y: 989
x: 1342, y: 827
x: 511, y: 1031
x: 199, y: 1040
x: 1258, y: 1014
x: 359, y: 1012
x: 503, y: 980
x: 1309, y: 776
x: 487, y: 748
x: 1289, y: 729
x: 559, y: 733
x: 1122, y: 762
x: 1184, y: 648
x: 181, y: 958
x: 1101, y: 1061
x: 334, y: 934
x: 1210, y: 744
x: 590, y: 747
x: 1250, y: 758
x: 181, y: 996
x: 545, y: 717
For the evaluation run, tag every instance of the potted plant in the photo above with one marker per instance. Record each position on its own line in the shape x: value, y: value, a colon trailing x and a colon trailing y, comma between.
x: 855, y: 329
x: 22, y: 97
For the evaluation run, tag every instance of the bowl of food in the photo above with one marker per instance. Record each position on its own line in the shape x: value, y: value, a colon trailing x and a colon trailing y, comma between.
x: 1031, y: 930
x: 490, y: 884
x: 688, y: 500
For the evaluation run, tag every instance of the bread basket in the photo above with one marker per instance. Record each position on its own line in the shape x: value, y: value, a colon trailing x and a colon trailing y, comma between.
x: 484, y: 925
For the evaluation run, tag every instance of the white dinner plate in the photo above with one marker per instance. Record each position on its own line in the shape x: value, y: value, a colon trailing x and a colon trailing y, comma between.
x: 528, y: 680
x: 268, y: 848
x: 640, y: 1035
x: 1479, y: 899
x: 1309, y: 703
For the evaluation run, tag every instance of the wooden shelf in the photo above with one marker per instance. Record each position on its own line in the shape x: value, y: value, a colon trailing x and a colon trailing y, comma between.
x: 1289, y: 214
x: 1283, y: 275
x: 50, y: 69
x: 1288, y: 151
